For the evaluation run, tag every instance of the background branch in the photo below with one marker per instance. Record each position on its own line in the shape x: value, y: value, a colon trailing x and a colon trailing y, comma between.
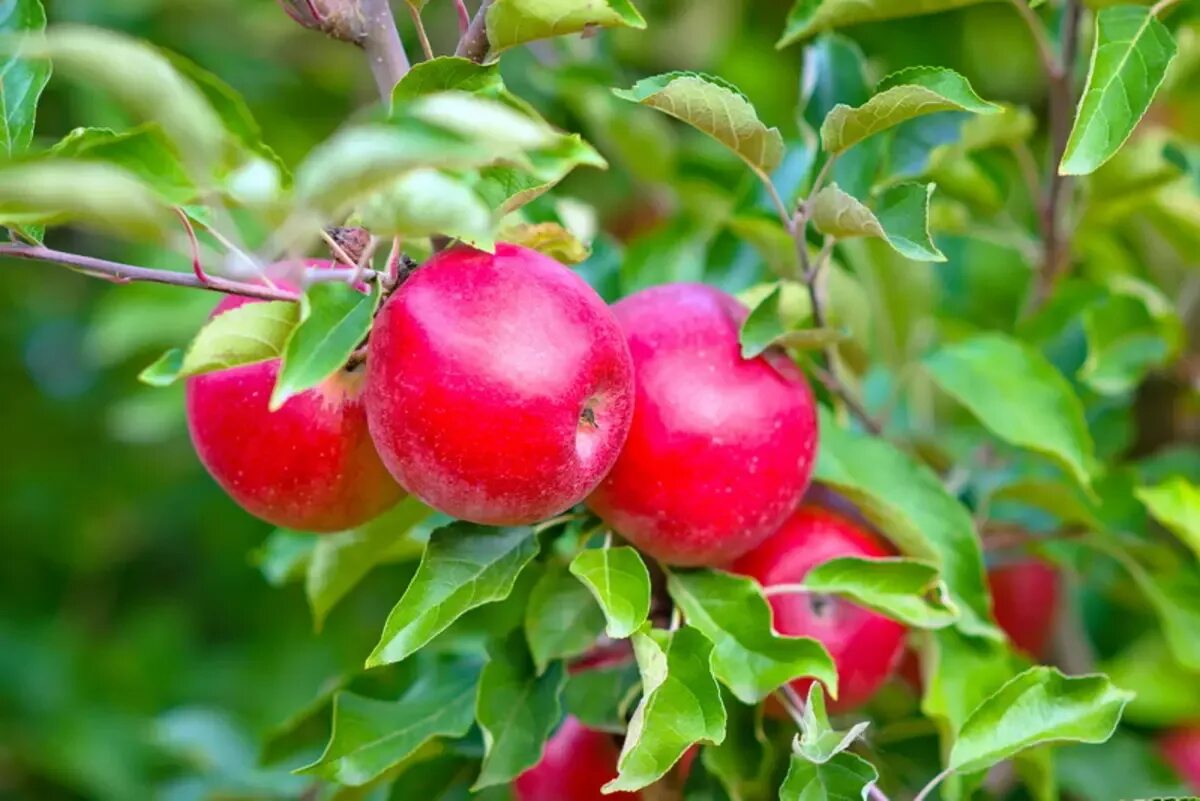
x: 385, y: 51
x: 474, y: 43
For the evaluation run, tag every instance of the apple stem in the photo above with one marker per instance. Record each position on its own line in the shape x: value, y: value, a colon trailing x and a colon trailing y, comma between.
x: 474, y: 42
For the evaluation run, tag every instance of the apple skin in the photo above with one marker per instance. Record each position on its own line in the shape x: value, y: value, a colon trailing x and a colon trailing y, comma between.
x: 721, y: 448
x: 501, y: 387
x: 866, y: 647
x: 1025, y: 599
x: 577, y: 762
x: 1180, y: 747
x: 309, y: 466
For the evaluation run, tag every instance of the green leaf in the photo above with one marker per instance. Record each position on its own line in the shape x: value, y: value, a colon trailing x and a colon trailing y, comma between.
x: 599, y: 696
x: 100, y: 196
x: 680, y: 706
x: 1040, y: 705
x: 465, y: 565
x: 808, y: 17
x: 901, y: 96
x: 1130, y: 332
x: 903, y: 589
x: 901, y: 218
x: 426, y: 203
x: 748, y: 656
x: 715, y: 107
x: 834, y: 72
x: 818, y: 741
x: 370, y: 737
x: 514, y: 22
x: 21, y: 80
x: 1130, y: 56
x: 1013, y: 125
x: 846, y: 777
x: 746, y: 762
x: 961, y: 672
x: 340, y: 561
x: 250, y: 333
x: 143, y: 81
x: 908, y: 503
x: 449, y: 73
x: 1166, y: 693
x: 548, y: 238
x: 618, y: 579
x: 561, y: 620
x: 518, y: 707
x: 1019, y: 396
x: 144, y: 152
x: 284, y: 556
x: 1176, y: 504
x: 764, y: 328
x: 334, y: 320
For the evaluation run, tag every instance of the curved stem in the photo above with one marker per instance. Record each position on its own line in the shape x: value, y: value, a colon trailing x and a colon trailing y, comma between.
x: 464, y: 16
x: 1034, y: 23
x: 422, y: 35
x: 933, y: 783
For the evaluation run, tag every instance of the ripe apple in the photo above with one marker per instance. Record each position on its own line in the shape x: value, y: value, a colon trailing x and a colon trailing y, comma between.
x: 501, y: 386
x: 309, y: 466
x: 721, y: 448
x: 1180, y: 747
x: 577, y: 762
x: 1025, y: 597
x: 865, y: 646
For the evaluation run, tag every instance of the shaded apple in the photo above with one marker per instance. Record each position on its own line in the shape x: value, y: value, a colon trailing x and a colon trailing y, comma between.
x: 721, y: 448
x: 1025, y: 598
x: 866, y: 646
x: 577, y: 762
x: 309, y: 466
x: 501, y: 386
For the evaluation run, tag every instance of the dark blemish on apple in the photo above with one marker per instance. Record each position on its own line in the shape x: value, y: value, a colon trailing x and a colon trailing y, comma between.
x: 588, y: 418
x: 820, y: 604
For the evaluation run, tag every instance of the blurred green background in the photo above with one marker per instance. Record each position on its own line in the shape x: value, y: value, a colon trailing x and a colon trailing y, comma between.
x: 142, y: 652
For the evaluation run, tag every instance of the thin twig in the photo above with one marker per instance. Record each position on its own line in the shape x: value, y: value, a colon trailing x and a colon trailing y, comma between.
x: 834, y: 384
x: 1062, y: 107
x: 794, y: 705
x: 339, y: 252
x: 385, y: 51
x: 1027, y: 165
x: 116, y: 272
x: 419, y: 24
x: 474, y: 42
x: 360, y: 268
x: 933, y: 783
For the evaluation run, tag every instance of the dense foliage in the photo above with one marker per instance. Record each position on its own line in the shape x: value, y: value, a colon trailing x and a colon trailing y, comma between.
x: 974, y: 227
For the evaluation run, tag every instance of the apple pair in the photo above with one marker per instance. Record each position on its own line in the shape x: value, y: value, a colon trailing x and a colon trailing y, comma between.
x: 501, y: 389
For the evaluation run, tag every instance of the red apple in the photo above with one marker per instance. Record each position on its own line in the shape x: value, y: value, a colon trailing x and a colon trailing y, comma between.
x: 866, y: 646
x: 577, y: 762
x: 309, y: 466
x: 721, y: 448
x: 501, y: 387
x: 1180, y: 747
x: 1025, y: 597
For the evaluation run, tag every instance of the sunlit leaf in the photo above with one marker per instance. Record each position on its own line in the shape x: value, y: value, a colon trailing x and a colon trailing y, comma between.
x: 818, y: 741
x: 426, y: 203
x: 715, y: 107
x: 515, y: 22
x: 144, y: 152
x: 900, y: 218
x: 1176, y: 504
x: 1040, y: 705
x: 618, y: 579
x: 549, y: 238
x: 334, y: 320
x: 1130, y: 56
x: 748, y: 656
x: 680, y: 706
x: 845, y: 777
x: 904, y: 589
x: 901, y: 96
x: 808, y: 17
x: 764, y: 328
x: 465, y: 566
